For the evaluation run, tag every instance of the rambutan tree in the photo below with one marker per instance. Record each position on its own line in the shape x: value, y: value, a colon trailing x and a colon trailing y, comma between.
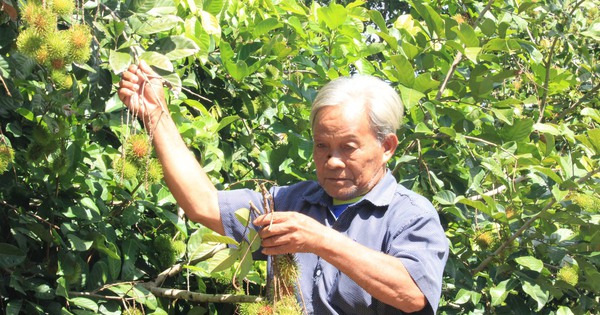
x: 501, y: 133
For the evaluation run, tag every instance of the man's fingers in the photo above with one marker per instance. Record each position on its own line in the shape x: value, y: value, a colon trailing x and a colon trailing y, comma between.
x: 128, y: 87
x: 146, y: 69
x: 269, y: 218
x: 132, y: 68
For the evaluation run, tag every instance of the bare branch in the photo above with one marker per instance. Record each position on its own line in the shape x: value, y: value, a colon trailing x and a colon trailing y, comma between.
x: 5, y: 87
x: 178, y: 268
x: 201, y: 297
x: 498, y: 190
x: 459, y: 55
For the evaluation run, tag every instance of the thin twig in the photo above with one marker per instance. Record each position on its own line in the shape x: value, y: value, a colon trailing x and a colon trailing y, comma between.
x: 549, y: 62
x: 5, y: 87
x: 459, y: 54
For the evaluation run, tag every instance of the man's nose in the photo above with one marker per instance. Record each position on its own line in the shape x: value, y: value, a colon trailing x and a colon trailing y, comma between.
x: 334, y: 161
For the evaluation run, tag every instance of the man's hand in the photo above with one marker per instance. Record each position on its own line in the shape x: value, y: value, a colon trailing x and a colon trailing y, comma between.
x: 141, y: 90
x: 289, y: 232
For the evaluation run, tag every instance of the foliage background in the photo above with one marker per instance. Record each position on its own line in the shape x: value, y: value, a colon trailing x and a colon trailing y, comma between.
x: 501, y: 133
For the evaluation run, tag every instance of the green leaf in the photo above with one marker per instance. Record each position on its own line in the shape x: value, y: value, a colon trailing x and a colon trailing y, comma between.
x: 106, y: 247
x: 536, y: 292
x: 433, y: 20
x: 593, y: 31
x: 500, y: 44
x: 14, y: 307
x: 154, y: 7
x: 559, y: 194
x: 378, y: 19
x: 226, y: 121
x: 238, y: 70
x: 410, y: 97
x: 119, y: 61
x: 467, y: 35
x: 530, y: 262
x: 214, y: 7
x: 196, y: 248
x: 410, y: 51
x: 423, y: 128
x: 86, y: 303
x: 159, y: 24
x: 563, y: 310
x: 293, y: 6
x: 505, y: 115
x: 404, y: 70
x: 79, y: 244
x: 519, y: 131
x: 265, y: 26
x: 27, y: 114
x: 177, y: 221
x: 243, y: 216
x: 547, y: 128
x: 10, y: 256
x: 477, y: 205
x: 155, y: 59
x: 594, y: 136
x: 247, y: 262
x: 445, y: 197
x: 223, y: 260
x: 89, y: 204
x: 591, y: 112
x: 501, y: 291
x: 472, y: 53
x: 175, y: 47
x: 213, y: 238
x: 210, y: 23
x: 333, y: 15
x: 463, y: 296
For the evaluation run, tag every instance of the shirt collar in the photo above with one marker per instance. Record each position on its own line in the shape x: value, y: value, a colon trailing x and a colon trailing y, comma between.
x: 381, y: 195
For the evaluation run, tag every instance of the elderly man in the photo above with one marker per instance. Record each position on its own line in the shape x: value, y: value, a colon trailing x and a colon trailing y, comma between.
x: 364, y: 244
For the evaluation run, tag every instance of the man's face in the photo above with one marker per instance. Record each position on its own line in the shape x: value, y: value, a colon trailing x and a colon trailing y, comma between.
x: 348, y: 157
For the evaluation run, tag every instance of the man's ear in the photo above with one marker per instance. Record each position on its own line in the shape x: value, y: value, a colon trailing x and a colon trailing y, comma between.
x: 389, y: 144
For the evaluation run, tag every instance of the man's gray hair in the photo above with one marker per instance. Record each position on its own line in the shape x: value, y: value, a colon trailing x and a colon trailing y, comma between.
x: 380, y: 100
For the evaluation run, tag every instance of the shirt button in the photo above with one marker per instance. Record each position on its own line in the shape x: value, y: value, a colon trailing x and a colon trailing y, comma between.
x: 318, y: 272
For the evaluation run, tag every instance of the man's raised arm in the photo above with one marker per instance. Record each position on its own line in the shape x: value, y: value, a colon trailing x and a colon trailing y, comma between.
x: 142, y: 92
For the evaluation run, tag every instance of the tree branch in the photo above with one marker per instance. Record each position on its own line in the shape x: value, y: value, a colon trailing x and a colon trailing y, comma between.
x: 5, y: 87
x: 498, y: 190
x: 549, y: 63
x: 177, y: 268
x: 459, y: 55
x: 201, y: 297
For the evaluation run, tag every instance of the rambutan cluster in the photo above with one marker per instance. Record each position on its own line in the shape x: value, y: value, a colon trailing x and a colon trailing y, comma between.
x: 487, y: 240
x: 168, y: 250
x: 137, y: 162
x: 568, y: 274
x: 587, y: 202
x: 7, y: 156
x: 55, y: 49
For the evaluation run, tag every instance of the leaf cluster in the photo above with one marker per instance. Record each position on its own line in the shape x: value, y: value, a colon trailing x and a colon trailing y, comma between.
x: 501, y: 132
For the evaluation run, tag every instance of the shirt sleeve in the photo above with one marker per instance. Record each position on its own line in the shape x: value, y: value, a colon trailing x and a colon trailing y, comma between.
x: 422, y: 246
x: 231, y: 201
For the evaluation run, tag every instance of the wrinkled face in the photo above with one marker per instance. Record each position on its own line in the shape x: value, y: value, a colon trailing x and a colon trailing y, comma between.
x: 349, y: 159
